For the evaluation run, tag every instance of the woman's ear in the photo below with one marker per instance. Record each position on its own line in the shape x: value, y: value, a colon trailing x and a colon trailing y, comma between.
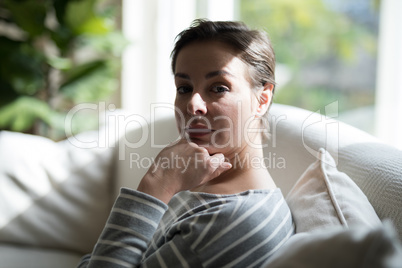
x: 265, y: 97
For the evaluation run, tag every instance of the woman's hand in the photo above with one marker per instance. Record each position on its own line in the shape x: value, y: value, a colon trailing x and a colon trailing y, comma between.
x: 179, y: 167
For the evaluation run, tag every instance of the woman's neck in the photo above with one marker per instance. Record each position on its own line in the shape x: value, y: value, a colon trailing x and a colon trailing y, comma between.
x: 248, y: 172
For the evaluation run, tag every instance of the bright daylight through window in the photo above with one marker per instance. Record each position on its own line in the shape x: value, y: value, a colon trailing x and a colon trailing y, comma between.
x: 326, y: 52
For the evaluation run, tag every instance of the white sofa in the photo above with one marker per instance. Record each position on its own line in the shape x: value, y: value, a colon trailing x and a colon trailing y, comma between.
x: 55, y: 197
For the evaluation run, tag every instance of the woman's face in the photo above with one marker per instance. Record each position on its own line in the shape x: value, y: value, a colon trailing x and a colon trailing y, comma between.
x: 215, y: 103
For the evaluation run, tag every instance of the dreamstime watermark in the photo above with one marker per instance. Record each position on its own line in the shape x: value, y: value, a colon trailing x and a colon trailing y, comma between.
x: 134, y: 131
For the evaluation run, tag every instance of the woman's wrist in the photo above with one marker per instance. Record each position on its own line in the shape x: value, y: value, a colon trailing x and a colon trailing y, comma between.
x: 152, y: 185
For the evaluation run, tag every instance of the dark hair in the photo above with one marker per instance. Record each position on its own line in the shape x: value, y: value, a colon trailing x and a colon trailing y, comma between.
x: 254, y: 46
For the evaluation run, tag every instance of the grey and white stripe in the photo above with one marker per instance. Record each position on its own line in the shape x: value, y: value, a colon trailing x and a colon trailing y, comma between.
x: 195, y: 230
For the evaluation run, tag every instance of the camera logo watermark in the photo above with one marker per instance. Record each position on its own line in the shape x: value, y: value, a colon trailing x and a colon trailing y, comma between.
x: 325, y: 123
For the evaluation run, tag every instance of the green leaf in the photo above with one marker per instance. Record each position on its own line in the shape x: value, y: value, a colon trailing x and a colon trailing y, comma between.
x: 78, y: 72
x: 112, y: 43
x: 21, y: 114
x: 95, y: 25
x: 25, y: 66
x: 8, y: 94
x: 60, y: 7
x: 8, y: 46
x: 78, y: 13
x: 60, y: 63
x: 94, y: 86
x: 29, y: 15
x: 21, y: 66
x: 63, y: 38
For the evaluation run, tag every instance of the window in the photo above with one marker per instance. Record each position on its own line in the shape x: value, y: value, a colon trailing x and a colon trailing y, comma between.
x: 389, y: 83
x: 326, y: 52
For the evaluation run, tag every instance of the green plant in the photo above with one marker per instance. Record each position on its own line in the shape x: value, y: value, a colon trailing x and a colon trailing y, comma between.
x: 55, y: 54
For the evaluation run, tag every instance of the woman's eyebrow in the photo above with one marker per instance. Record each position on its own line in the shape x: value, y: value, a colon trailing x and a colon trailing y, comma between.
x: 207, y: 76
x: 182, y: 75
x: 218, y: 73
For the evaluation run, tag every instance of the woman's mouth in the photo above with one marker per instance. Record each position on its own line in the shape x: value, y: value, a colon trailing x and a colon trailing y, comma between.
x: 198, y: 131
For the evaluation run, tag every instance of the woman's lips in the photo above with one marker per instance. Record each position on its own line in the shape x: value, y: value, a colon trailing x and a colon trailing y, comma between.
x: 198, y: 131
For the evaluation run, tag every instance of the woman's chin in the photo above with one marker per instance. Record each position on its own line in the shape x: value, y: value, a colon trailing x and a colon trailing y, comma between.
x: 210, y: 148
x: 213, y: 150
x: 207, y: 144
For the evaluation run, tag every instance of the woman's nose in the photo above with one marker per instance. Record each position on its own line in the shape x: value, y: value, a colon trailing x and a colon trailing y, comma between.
x: 196, y: 105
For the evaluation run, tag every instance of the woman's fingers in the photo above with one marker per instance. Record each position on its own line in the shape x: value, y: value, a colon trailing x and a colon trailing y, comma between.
x: 192, y: 166
x: 218, y: 164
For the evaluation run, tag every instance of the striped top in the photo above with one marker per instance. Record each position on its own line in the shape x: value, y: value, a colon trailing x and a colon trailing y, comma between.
x: 195, y: 230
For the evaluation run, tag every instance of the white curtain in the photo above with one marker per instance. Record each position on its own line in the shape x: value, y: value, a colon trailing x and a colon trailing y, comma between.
x: 389, y: 75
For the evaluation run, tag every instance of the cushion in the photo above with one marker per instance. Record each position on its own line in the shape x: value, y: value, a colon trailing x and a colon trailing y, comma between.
x: 53, y: 194
x: 377, y: 170
x: 324, y: 197
x: 34, y: 257
x: 298, y: 134
x: 360, y: 246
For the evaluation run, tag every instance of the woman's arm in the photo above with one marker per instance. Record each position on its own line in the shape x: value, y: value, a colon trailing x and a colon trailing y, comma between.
x: 129, y: 228
x: 136, y: 214
x: 238, y: 231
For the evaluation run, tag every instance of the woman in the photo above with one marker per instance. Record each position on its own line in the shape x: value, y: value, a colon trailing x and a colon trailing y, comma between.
x: 214, y: 207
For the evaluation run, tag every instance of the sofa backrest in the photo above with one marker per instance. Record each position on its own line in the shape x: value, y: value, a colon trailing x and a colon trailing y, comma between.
x: 296, y: 137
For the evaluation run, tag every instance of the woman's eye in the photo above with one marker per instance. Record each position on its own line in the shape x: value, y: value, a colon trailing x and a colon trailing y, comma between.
x: 184, y: 89
x: 220, y: 89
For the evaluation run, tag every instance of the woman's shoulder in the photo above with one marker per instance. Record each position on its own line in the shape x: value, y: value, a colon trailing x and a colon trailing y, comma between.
x: 250, y: 197
x: 250, y: 204
x: 223, y: 221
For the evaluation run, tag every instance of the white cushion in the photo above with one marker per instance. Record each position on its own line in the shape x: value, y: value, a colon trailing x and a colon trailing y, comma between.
x: 360, y: 246
x: 377, y: 170
x: 325, y: 197
x: 36, y: 257
x: 374, y: 166
x: 298, y: 134
x: 52, y: 194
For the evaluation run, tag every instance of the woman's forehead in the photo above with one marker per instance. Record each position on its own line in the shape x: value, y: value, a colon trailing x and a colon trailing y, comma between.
x: 209, y: 56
